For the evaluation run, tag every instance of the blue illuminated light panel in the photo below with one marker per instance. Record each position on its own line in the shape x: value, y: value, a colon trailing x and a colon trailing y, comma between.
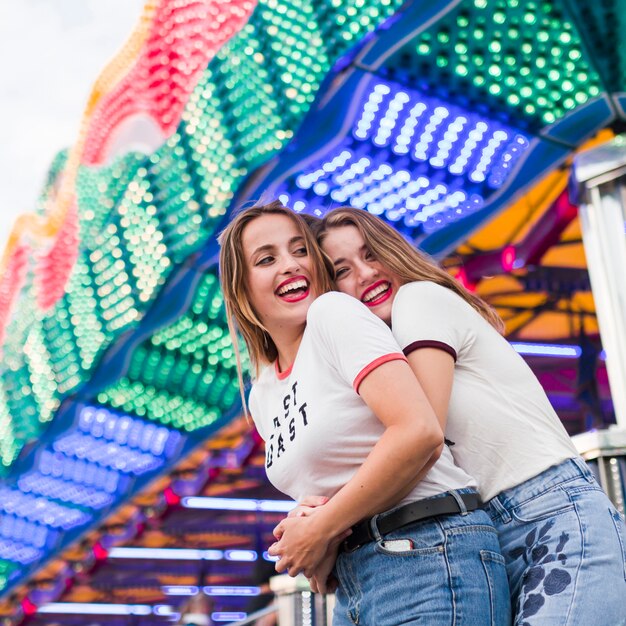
x: 547, y: 349
x: 183, y: 554
x: 237, y: 504
x: 228, y: 616
x: 231, y: 590
x: 411, y: 158
x: 99, y: 608
x: 85, y: 470
x: 117, y: 442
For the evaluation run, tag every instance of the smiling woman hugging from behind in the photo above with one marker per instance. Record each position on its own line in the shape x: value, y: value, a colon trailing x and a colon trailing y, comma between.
x: 561, y: 536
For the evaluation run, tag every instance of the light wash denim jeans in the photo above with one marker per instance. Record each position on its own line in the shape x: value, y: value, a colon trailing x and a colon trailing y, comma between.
x: 563, y: 542
x: 453, y: 576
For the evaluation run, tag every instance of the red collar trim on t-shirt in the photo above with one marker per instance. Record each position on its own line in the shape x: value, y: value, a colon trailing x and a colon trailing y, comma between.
x: 282, y: 375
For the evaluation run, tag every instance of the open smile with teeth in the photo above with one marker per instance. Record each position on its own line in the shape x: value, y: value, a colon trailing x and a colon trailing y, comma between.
x: 294, y: 289
x: 377, y: 294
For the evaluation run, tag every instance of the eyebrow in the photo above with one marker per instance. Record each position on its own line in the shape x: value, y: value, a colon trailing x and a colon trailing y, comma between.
x: 270, y: 246
x: 341, y: 260
x: 264, y: 248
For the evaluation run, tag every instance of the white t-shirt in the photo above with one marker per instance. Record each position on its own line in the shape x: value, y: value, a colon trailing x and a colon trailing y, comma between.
x: 503, y: 426
x: 317, y: 429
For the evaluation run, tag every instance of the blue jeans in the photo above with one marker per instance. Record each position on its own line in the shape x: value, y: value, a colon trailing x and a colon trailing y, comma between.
x: 454, y: 574
x: 563, y: 542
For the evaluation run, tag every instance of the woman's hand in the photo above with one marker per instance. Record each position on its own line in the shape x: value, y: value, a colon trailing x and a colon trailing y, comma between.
x: 323, y: 580
x: 302, y: 545
x: 306, y: 506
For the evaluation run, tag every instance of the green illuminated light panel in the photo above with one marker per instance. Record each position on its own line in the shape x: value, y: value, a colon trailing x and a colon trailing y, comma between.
x: 256, y: 91
x: 6, y: 568
x: 99, y: 191
x: 185, y: 376
x: 520, y: 55
x: 10, y: 436
x: 29, y: 387
x: 603, y: 24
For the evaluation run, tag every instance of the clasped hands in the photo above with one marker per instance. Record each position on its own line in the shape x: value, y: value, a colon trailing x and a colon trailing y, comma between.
x: 304, y: 545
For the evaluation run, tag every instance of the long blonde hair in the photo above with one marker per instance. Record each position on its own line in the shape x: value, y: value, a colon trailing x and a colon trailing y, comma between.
x: 233, y: 277
x: 399, y: 256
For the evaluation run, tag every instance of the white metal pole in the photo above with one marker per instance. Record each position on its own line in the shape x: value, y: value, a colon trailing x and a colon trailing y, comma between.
x: 600, y: 175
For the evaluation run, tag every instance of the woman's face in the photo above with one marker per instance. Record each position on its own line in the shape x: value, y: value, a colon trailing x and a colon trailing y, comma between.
x: 278, y: 272
x: 358, y: 272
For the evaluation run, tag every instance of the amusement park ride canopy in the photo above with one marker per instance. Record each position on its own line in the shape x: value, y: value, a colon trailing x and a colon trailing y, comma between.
x: 456, y: 122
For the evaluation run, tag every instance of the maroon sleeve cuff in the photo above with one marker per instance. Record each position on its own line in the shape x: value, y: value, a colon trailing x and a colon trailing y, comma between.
x: 428, y: 343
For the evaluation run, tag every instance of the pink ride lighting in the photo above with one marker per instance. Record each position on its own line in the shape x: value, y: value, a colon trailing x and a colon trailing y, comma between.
x: 183, y: 37
x: 171, y: 497
x: 461, y: 276
x: 508, y: 258
x: 100, y: 552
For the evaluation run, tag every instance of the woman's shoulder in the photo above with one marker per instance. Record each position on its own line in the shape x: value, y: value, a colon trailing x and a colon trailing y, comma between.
x: 332, y: 303
x: 337, y: 316
x: 429, y: 302
x: 427, y: 289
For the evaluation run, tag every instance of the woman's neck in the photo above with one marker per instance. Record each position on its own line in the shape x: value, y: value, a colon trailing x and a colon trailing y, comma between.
x: 287, y: 345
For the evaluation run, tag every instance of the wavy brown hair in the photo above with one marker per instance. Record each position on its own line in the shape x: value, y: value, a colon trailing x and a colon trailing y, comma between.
x: 399, y: 256
x: 233, y: 278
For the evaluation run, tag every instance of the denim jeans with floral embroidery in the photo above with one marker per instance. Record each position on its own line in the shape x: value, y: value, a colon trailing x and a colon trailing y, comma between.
x: 563, y: 542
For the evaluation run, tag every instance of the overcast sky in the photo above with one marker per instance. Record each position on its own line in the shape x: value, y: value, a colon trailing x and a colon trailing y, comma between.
x: 51, y: 52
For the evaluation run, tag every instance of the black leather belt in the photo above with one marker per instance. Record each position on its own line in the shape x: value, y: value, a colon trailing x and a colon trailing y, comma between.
x: 407, y: 514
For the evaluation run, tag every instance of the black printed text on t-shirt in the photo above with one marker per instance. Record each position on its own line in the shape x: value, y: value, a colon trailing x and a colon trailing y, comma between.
x: 276, y: 445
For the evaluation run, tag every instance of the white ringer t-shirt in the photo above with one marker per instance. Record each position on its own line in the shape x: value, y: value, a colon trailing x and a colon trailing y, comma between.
x: 503, y: 426
x: 317, y: 429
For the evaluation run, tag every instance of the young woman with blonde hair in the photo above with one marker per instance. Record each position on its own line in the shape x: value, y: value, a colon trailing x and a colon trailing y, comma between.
x: 342, y: 416
x: 561, y: 536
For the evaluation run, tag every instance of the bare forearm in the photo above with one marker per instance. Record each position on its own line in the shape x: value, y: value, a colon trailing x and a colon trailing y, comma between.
x: 409, y: 445
x: 393, y: 468
x: 392, y: 501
